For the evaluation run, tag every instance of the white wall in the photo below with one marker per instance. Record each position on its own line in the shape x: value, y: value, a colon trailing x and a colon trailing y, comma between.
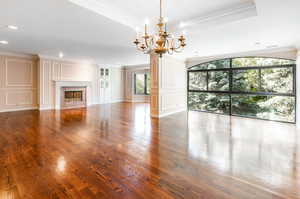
x: 168, y: 86
x: 117, y: 84
x: 129, y: 83
x: 18, y: 83
x: 51, y: 70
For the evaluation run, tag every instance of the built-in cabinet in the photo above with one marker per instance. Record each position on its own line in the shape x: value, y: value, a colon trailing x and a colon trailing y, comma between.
x: 105, y: 85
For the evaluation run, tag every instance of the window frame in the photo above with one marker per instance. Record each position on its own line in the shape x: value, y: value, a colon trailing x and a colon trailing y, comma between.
x: 145, y: 84
x: 231, y: 92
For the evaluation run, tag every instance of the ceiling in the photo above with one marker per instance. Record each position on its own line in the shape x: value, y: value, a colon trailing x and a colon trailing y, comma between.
x: 102, y: 31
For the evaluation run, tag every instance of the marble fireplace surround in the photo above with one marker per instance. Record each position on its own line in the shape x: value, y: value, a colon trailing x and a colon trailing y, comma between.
x: 58, y: 85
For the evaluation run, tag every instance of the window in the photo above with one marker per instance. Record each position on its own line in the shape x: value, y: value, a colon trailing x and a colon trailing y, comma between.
x: 217, y: 103
x: 218, y: 81
x: 142, y: 84
x: 198, y: 81
x: 245, y: 80
x: 253, y: 87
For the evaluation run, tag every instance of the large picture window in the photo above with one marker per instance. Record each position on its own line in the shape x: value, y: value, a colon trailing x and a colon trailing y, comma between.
x: 254, y: 87
x: 142, y: 84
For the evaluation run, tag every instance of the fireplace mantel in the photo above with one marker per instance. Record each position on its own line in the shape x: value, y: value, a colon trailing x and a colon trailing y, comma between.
x: 72, y: 83
x: 59, y: 84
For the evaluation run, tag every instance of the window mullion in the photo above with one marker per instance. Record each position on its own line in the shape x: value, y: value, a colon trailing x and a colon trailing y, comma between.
x: 134, y: 83
x: 145, y: 84
x: 259, y: 80
x: 230, y: 87
x: 207, y: 80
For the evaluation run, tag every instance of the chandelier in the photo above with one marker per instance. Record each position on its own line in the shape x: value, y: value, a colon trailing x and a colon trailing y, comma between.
x: 162, y: 42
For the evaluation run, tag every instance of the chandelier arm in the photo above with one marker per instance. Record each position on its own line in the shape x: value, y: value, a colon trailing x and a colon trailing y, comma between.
x: 162, y: 42
x: 169, y: 47
x: 142, y: 47
x: 175, y: 47
x: 178, y: 50
x: 151, y: 42
x: 146, y: 41
x: 181, y: 45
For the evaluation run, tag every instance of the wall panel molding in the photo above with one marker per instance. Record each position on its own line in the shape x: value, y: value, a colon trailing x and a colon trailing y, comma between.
x: 18, y: 83
x: 16, y: 71
x: 168, y: 92
x: 16, y: 95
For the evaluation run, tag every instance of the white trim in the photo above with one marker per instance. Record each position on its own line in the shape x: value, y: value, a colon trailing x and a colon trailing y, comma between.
x: 117, y: 101
x: 71, y: 61
x: 18, y: 109
x: 137, y: 101
x: 238, y: 54
x: 19, y: 92
x: 230, y: 14
x: 170, y: 113
x: 110, y: 66
x: 137, y: 66
x: 30, y: 84
x: 45, y: 108
x: 21, y: 55
x: 27, y: 88
x: 59, y: 84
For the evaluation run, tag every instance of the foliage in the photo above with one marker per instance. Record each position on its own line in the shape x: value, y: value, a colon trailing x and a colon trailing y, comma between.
x: 274, y: 80
x: 142, y: 86
x: 217, y: 103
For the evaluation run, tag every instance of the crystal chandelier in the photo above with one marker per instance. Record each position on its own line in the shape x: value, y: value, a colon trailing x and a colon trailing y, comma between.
x: 162, y: 42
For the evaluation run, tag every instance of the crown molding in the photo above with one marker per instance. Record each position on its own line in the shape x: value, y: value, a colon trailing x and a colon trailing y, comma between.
x: 222, y: 16
x: 263, y: 52
x: 137, y: 67
x: 109, y: 66
x: 21, y: 55
x: 298, y: 51
x: 74, y: 61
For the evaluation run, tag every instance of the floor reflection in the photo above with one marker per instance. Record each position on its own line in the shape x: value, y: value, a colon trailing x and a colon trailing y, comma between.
x: 119, y: 150
x: 249, y: 149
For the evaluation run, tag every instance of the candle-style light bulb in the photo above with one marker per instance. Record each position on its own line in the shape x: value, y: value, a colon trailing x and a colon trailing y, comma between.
x: 146, y: 25
x: 166, y: 22
x: 137, y: 32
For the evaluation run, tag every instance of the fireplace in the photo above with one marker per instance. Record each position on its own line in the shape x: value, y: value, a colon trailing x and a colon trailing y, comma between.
x: 73, y: 97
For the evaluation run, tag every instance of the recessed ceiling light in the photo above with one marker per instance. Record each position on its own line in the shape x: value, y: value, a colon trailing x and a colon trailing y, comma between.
x: 12, y: 27
x: 61, y: 55
x: 257, y: 43
x: 3, y: 42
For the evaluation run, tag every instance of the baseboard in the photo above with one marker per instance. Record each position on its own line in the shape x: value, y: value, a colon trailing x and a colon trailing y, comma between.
x: 169, y: 113
x: 18, y: 109
x: 117, y: 101
x: 46, y: 108
x: 137, y: 101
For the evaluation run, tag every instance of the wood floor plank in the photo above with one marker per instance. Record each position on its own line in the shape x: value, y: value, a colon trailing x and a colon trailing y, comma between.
x: 118, y: 151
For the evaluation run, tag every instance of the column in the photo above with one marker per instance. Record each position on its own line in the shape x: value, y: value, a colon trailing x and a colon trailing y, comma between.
x: 168, y: 85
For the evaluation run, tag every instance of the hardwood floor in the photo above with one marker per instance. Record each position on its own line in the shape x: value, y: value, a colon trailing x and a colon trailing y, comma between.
x: 117, y: 151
